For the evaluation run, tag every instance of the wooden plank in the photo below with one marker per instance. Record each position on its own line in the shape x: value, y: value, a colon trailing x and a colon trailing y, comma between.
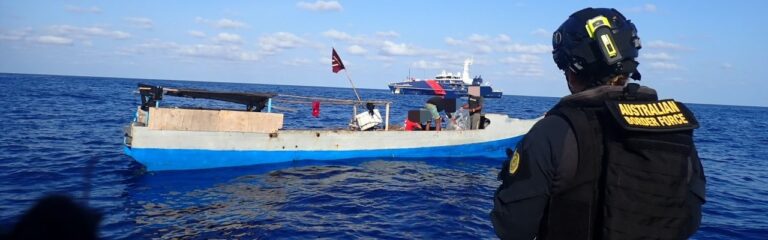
x: 214, y: 120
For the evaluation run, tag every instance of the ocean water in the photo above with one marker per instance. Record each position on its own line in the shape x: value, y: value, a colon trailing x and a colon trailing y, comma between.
x: 63, y: 134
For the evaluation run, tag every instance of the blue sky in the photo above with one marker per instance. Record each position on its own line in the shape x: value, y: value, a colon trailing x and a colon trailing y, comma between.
x: 701, y: 52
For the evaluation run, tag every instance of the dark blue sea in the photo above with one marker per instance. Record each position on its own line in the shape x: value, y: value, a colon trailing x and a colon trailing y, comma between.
x: 64, y: 134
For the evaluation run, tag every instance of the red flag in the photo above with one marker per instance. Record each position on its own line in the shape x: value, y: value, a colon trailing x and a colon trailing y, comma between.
x: 316, y: 108
x: 336, y: 63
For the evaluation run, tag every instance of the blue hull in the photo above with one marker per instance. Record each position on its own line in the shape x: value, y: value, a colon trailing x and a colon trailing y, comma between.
x: 186, y: 159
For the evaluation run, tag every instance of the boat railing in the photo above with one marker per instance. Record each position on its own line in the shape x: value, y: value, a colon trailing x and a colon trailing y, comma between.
x: 284, y: 98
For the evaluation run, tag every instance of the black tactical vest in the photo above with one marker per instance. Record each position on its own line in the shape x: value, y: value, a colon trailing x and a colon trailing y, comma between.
x: 632, y: 176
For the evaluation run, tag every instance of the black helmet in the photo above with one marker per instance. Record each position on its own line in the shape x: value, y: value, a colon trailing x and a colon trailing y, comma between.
x: 598, y: 43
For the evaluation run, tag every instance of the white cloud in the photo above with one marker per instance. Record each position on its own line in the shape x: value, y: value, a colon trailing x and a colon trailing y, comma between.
x: 527, y: 71
x: 526, y: 65
x: 205, y: 51
x: 477, y: 38
x: 140, y: 22
x: 337, y: 35
x: 228, y: 23
x: 388, y: 34
x: 299, y: 62
x: 540, y: 32
x: 483, y: 49
x: 63, y: 35
x: 356, y: 50
x: 483, y: 62
x: 522, y: 59
x: 279, y: 41
x: 648, y: 8
x: 661, y: 56
x: 224, y: 23
x: 485, y: 44
x: 664, y: 66
x: 452, y: 57
x: 527, y: 48
x: 726, y: 66
x: 78, y: 9
x: 196, y: 33
x: 381, y: 58
x: 453, y: 42
x: 658, y: 44
x: 15, y: 34
x: 375, y: 40
x: 422, y: 64
x: 662, y: 61
x: 321, y: 6
x: 217, y: 51
x: 503, y: 38
x: 151, y: 47
x: 86, y: 32
x: 228, y: 38
x: 394, y: 49
x: 55, y: 40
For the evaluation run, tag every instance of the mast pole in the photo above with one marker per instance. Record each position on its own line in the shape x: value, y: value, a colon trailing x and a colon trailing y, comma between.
x: 346, y: 72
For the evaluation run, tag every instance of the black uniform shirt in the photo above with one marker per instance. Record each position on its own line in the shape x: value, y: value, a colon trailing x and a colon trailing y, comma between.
x: 523, y: 196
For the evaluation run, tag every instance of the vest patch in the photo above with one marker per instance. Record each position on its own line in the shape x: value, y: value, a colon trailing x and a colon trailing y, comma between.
x: 514, y: 163
x: 657, y: 116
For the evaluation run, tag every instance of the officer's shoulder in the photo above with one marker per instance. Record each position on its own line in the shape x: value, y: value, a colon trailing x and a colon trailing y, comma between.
x: 552, y: 121
x: 549, y: 126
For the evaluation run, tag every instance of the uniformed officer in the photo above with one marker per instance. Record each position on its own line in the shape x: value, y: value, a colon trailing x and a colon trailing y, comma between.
x: 609, y: 161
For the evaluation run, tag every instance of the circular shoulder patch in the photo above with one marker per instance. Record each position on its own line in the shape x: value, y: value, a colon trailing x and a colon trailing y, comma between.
x: 514, y: 163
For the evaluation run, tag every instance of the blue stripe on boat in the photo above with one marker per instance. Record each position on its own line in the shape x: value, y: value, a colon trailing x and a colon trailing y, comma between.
x: 184, y: 159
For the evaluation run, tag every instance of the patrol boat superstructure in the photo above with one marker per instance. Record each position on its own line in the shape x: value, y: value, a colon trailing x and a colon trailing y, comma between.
x: 445, y: 83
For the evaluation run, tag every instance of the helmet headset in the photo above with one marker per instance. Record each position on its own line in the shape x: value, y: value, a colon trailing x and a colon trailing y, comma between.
x: 595, y: 44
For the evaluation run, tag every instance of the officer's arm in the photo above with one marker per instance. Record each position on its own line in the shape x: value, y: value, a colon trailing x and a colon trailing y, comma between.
x: 520, y: 202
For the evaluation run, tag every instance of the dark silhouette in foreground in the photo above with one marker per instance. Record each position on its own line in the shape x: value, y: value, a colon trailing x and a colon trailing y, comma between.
x: 57, y: 217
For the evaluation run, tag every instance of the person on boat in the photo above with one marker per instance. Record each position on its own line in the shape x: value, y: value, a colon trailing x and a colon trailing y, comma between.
x: 435, y: 105
x: 609, y: 161
x: 474, y: 106
x: 411, y: 125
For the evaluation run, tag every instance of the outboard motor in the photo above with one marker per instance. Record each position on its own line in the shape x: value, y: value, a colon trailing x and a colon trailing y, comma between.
x: 484, y: 122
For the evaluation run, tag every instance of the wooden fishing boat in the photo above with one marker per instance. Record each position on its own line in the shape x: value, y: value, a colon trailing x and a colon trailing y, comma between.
x: 165, y: 138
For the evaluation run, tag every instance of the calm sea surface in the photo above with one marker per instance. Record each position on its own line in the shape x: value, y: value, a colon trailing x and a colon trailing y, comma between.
x: 62, y: 134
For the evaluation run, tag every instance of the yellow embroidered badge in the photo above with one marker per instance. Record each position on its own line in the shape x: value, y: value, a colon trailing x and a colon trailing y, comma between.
x: 514, y: 163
